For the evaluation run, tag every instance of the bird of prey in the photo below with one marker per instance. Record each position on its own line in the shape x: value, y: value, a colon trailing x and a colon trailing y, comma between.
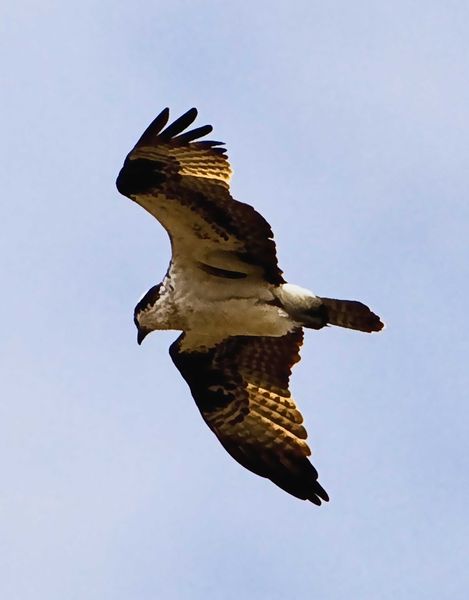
x: 241, y: 322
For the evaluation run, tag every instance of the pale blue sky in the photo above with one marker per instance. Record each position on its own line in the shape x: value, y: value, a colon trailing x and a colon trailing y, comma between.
x: 347, y: 124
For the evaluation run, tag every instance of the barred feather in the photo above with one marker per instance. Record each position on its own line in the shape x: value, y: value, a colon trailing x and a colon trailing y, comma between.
x: 351, y: 314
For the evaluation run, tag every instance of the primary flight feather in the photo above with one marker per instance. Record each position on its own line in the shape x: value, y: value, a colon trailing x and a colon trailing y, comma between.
x: 242, y: 324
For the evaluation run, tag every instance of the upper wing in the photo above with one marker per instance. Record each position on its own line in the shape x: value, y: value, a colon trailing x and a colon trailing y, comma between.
x: 184, y: 183
x: 241, y: 389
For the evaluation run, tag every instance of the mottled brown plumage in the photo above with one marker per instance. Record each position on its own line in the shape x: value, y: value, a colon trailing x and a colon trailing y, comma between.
x: 241, y: 389
x: 241, y: 322
x: 185, y: 185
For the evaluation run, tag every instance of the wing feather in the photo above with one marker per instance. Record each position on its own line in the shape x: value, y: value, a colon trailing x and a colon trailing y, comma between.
x: 178, y: 125
x: 192, y: 135
x: 184, y: 182
x: 152, y: 131
x: 241, y: 389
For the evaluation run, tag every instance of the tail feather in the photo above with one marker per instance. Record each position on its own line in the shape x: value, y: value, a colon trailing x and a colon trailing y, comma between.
x: 351, y: 314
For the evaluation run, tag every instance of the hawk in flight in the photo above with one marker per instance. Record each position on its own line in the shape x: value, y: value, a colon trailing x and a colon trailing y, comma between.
x: 241, y: 322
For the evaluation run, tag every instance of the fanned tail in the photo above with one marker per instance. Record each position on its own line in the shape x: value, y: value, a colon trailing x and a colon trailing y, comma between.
x: 351, y: 314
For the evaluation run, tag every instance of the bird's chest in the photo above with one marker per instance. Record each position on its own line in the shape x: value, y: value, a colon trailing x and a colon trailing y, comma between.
x: 231, y: 316
x: 225, y: 307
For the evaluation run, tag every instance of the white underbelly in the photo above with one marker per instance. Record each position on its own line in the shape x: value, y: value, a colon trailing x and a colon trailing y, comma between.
x: 237, y: 316
x: 213, y: 308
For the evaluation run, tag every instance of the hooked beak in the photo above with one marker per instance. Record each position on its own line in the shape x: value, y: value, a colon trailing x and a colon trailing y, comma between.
x: 142, y: 334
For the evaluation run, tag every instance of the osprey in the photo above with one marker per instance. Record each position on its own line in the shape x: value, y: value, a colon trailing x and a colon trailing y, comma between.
x: 241, y: 322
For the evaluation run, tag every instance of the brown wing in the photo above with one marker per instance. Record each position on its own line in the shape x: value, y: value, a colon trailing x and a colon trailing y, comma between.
x: 241, y: 389
x: 184, y: 183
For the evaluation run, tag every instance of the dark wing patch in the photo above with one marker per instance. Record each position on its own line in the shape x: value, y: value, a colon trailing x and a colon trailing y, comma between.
x: 224, y: 273
x: 241, y: 389
x: 184, y: 183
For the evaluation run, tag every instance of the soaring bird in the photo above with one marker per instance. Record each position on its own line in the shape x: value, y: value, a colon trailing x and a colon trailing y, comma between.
x: 241, y: 322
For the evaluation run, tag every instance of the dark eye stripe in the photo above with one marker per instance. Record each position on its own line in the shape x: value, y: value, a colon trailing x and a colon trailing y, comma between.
x: 148, y: 300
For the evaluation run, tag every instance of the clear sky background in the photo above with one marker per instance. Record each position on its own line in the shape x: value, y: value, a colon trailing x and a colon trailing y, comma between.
x: 347, y: 124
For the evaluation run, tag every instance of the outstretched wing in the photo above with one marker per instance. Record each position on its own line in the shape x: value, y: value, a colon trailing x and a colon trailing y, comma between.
x: 241, y: 389
x: 184, y: 183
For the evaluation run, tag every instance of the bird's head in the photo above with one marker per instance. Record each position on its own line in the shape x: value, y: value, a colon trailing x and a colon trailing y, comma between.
x: 144, y: 313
